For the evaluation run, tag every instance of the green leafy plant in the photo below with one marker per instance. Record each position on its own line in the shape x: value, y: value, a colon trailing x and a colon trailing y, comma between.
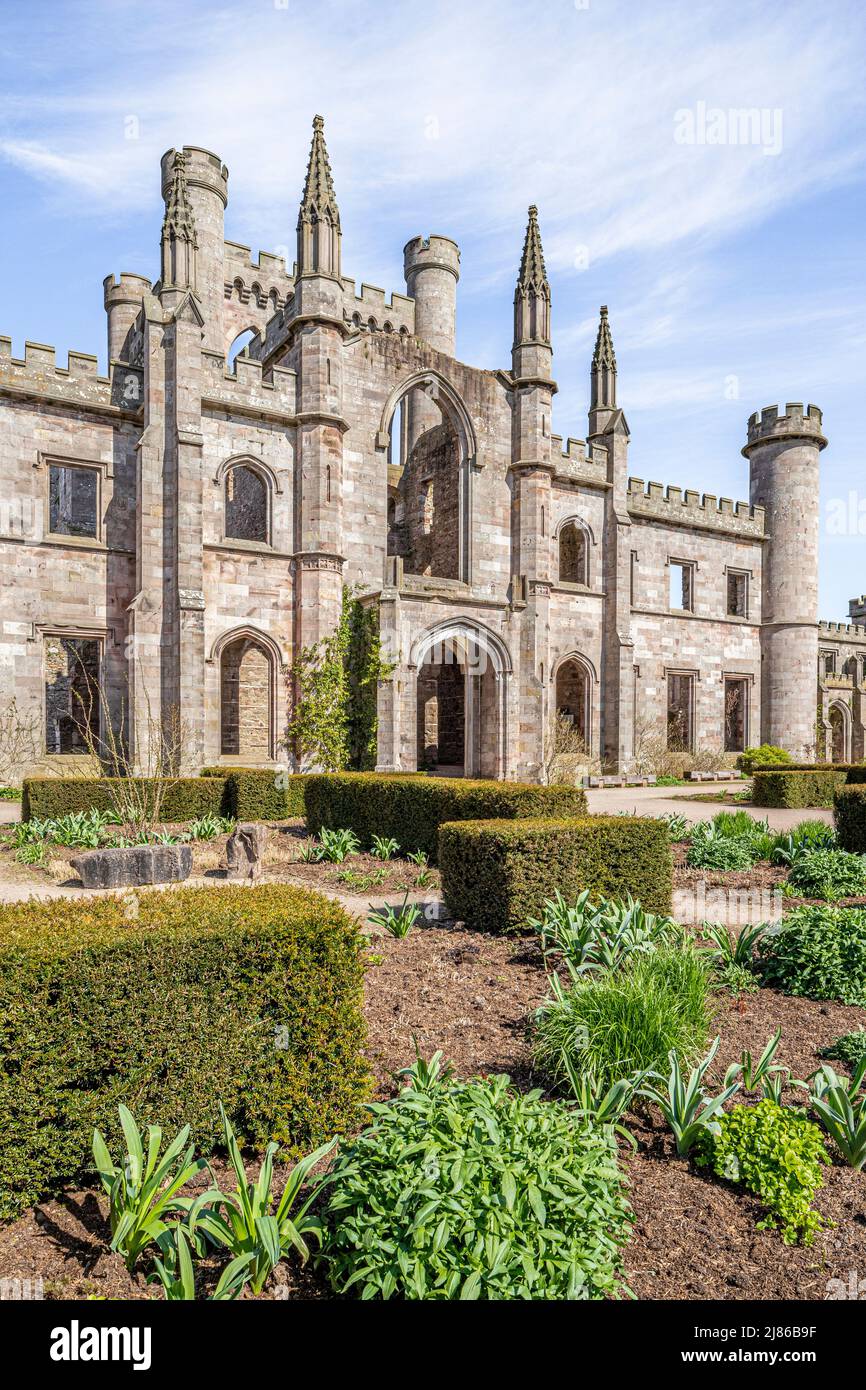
x: 337, y: 845
x: 620, y: 1022
x: 841, y: 1109
x: 850, y: 1049
x: 766, y: 755
x: 722, y: 852
x: 586, y: 936
x: 803, y: 840
x: 817, y: 953
x: 419, y: 857
x: 384, y: 847
x: 361, y: 881
x: 763, y: 1074
x: 736, y: 979
x: 728, y: 949
x: 679, y: 827
x: 829, y: 874
x: 248, y: 1223
x: 209, y: 826
x: 470, y: 1190
x: 311, y: 853
x: 396, y: 922
x: 603, y: 1107
x: 31, y: 854
x: 776, y: 1152
x: 173, y: 1269
x: 688, y: 1109
x: 142, y: 1188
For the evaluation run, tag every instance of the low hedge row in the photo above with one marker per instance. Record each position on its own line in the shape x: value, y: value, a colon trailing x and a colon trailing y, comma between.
x: 249, y: 996
x: 801, y: 787
x: 411, y: 808
x: 854, y: 772
x: 245, y: 793
x: 497, y: 874
x: 185, y: 799
x: 849, y: 818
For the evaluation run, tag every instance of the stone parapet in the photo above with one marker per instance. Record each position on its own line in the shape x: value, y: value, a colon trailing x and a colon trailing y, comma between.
x: 676, y: 507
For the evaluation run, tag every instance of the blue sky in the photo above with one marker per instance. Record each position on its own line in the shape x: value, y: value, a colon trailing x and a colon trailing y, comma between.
x: 734, y: 270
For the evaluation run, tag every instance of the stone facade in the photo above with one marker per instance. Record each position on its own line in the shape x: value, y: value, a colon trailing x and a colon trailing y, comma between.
x: 187, y: 522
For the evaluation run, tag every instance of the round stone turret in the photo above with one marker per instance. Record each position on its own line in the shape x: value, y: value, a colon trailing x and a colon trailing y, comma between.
x: 431, y: 266
x: 206, y: 180
x: 123, y: 295
x: 783, y: 450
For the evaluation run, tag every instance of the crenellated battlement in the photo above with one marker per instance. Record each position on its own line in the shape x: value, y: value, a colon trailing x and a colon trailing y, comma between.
x: 679, y: 507
x: 37, y: 374
x: 793, y: 422
x: 374, y: 308
x: 248, y: 388
x: 854, y: 631
x: 261, y: 281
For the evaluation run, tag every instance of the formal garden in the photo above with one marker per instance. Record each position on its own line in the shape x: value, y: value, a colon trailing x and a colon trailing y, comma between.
x: 451, y: 1040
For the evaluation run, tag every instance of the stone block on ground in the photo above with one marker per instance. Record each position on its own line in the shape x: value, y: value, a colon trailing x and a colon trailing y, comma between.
x: 245, y: 851
x: 133, y: 867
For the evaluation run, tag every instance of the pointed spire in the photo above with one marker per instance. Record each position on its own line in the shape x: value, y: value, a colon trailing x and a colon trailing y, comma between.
x: 319, y: 216
x: 179, y: 240
x: 603, y: 367
x: 532, y: 295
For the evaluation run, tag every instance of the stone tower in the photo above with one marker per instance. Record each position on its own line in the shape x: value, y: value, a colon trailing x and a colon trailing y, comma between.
x: 783, y: 451
x: 204, y: 182
x: 431, y: 267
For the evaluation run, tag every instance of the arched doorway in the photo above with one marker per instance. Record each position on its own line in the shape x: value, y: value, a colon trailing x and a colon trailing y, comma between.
x: 246, y: 700
x: 840, y: 739
x: 574, y: 695
x: 428, y: 434
x: 460, y: 705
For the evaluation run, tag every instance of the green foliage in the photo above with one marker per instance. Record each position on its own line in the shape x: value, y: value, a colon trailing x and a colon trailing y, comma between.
x: 334, y: 721
x: 173, y: 1268
x: 776, y: 1153
x: 586, y: 936
x: 142, y: 1188
x: 817, y: 953
x: 208, y: 827
x: 829, y: 874
x: 410, y: 808
x: 797, y: 788
x: 690, y: 1112
x: 265, y: 794
x: 708, y: 851
x: 336, y: 845
x: 256, y: 1231
x: 384, y: 847
x: 679, y: 827
x: 184, y: 798
x: 731, y: 840
x: 497, y: 875
x: 618, y: 1023
x: 849, y: 817
x: 765, y: 1074
x: 767, y: 755
x: 841, y: 1109
x: 470, y: 1190
x: 736, y: 979
x: 397, y: 922
x: 806, y: 837
x: 30, y: 854
x: 850, y: 1049
x: 728, y: 949
x: 171, y: 1002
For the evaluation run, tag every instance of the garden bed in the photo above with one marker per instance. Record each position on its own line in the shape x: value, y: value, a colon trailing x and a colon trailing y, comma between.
x: 470, y: 995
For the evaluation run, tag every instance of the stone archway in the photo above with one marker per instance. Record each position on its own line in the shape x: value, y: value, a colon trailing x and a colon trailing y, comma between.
x: 460, y: 701
x: 573, y: 694
x: 246, y: 700
x: 840, y: 733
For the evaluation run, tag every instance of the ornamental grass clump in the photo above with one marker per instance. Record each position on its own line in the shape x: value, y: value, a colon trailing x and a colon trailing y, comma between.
x: 618, y: 1023
x: 817, y: 953
x: 775, y: 1152
x: 471, y: 1190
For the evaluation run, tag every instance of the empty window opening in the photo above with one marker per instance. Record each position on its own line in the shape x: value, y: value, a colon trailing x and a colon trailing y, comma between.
x: 573, y: 554
x: 73, y: 500
x: 737, y: 594
x: 246, y: 500
x: 736, y: 715
x: 572, y: 698
x: 71, y: 677
x: 239, y: 347
x: 682, y: 585
x: 424, y: 482
x: 680, y: 719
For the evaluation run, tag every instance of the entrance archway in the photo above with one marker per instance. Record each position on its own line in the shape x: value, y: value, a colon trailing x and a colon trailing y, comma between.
x: 460, y: 710
x: 574, y: 696
x: 840, y: 734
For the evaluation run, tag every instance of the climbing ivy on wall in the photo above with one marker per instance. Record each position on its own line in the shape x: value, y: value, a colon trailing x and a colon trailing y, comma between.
x: 335, y: 683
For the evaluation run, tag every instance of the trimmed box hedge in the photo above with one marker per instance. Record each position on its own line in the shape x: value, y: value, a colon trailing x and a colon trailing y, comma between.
x: 411, y: 808
x: 497, y: 874
x: 849, y: 818
x: 184, y: 799
x: 266, y: 794
x: 251, y: 996
x: 799, y: 787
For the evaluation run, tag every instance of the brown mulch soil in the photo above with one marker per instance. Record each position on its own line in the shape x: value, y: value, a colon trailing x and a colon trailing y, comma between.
x: 470, y: 995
